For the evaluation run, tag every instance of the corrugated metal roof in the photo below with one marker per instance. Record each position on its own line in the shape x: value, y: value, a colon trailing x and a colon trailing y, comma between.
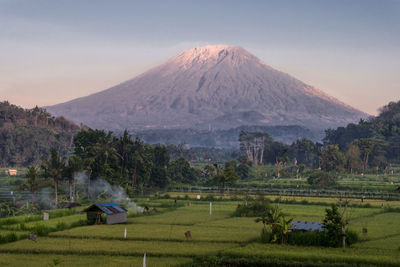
x: 307, y: 226
x: 108, y: 208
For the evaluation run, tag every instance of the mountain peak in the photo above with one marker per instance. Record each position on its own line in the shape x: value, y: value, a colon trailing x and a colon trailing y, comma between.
x: 216, y: 86
x: 215, y: 54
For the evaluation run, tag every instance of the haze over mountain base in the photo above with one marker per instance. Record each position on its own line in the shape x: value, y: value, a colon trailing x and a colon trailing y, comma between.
x: 209, y: 88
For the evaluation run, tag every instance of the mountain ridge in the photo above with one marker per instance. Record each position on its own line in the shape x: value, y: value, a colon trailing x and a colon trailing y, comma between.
x: 218, y: 87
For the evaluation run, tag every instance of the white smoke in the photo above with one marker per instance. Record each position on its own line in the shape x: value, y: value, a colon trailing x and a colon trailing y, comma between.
x: 100, y: 189
x: 45, y: 197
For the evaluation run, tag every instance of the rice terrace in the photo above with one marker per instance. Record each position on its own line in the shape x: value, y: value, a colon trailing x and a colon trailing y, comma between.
x: 199, y: 133
x: 217, y: 239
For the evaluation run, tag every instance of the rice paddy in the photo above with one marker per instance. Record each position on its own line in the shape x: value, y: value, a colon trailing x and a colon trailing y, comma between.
x: 161, y: 237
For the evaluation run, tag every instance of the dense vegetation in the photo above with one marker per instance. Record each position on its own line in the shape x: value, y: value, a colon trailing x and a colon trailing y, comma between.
x: 378, y: 138
x: 28, y: 135
x: 371, y: 146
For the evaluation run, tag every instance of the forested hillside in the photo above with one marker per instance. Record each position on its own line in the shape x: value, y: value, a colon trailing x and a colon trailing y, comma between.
x: 380, y: 135
x: 26, y: 135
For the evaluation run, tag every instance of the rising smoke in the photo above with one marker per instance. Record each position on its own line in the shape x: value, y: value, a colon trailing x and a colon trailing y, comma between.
x: 100, y: 189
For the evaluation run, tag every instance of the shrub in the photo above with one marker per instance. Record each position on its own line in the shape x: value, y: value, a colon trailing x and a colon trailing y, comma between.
x: 321, y: 179
x: 253, y: 209
x: 307, y: 238
x: 351, y: 237
x: 266, y: 236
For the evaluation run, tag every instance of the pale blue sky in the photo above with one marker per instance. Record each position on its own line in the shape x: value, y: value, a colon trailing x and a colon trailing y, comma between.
x: 53, y: 51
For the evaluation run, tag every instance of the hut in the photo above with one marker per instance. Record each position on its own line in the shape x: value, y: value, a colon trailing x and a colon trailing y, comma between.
x: 306, y: 226
x: 12, y: 172
x: 114, y: 213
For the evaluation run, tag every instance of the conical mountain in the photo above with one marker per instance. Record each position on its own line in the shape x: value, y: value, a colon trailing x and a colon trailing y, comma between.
x: 212, y: 86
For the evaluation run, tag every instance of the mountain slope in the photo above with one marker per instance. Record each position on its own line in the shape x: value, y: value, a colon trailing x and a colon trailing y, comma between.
x: 218, y: 87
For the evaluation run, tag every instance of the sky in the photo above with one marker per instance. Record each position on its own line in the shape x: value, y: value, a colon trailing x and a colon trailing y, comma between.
x: 55, y: 51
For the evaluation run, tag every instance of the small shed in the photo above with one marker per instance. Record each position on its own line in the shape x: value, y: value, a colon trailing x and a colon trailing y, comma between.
x: 114, y: 213
x: 306, y: 226
x: 12, y: 172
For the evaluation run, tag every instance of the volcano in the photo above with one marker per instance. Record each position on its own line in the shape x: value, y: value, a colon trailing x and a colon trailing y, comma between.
x: 212, y: 87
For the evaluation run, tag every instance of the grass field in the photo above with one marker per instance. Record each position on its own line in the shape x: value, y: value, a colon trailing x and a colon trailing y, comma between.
x: 161, y: 237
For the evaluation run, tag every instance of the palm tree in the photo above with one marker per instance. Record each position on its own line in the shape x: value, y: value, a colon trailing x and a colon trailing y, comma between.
x: 106, y: 148
x: 273, y: 218
x: 74, y: 165
x: 137, y: 160
x: 32, y: 184
x: 124, y: 144
x: 53, y: 169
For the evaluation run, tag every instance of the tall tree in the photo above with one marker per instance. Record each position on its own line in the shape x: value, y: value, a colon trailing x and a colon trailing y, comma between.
x: 332, y: 159
x: 366, y: 145
x: 74, y: 166
x: 32, y: 183
x: 353, y: 160
x: 53, y: 168
x: 252, y: 144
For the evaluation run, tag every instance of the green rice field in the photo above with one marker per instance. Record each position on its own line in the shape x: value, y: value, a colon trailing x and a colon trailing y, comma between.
x: 219, y: 236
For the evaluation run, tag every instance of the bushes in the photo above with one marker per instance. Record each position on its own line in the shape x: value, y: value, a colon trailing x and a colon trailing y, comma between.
x: 351, y: 237
x: 266, y: 236
x: 318, y: 238
x: 307, y: 238
x: 321, y: 179
x: 253, y: 209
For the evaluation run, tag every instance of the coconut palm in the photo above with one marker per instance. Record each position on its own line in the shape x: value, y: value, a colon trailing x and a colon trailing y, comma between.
x: 54, y: 168
x: 74, y: 165
x: 32, y: 183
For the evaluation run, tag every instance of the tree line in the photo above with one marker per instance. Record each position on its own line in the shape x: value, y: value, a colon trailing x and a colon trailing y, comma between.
x: 131, y: 164
x: 369, y: 146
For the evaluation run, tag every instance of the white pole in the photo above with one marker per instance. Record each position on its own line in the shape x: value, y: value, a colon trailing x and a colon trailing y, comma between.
x: 210, y: 208
x: 144, y: 260
x: 125, y: 233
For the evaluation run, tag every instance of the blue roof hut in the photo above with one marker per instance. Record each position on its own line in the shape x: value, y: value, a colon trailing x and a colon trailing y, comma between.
x: 114, y: 213
x: 306, y: 226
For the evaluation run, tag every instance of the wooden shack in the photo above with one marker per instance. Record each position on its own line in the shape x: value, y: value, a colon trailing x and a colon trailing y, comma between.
x: 113, y: 212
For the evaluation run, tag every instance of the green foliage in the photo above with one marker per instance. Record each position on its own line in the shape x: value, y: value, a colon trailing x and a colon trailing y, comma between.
x: 332, y: 159
x: 279, y: 226
x: 308, y: 238
x: 7, y: 238
x: 55, y: 261
x: 243, y: 170
x: 382, y: 131
x: 265, y: 236
x: 26, y: 135
x: 321, y: 179
x: 253, y: 209
x: 123, y: 161
x: 333, y: 224
x: 223, y: 177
